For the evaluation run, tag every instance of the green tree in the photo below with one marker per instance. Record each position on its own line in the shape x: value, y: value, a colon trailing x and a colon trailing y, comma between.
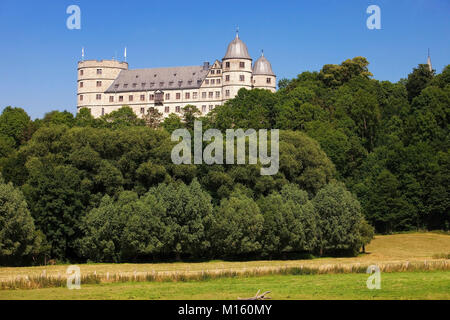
x: 20, y: 242
x: 14, y: 123
x: 172, y: 122
x: 339, y: 219
x: 418, y: 80
x: 190, y: 113
x: 124, y: 117
x: 84, y: 118
x: 237, y: 227
x: 188, y: 210
x: 336, y: 75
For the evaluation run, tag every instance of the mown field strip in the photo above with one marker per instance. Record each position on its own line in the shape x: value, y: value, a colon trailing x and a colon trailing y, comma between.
x: 47, y: 281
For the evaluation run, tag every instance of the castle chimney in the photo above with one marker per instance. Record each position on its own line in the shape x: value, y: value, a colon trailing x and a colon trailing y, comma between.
x: 205, y: 65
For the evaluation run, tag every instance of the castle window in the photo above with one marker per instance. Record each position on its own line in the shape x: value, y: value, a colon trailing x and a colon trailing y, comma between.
x: 242, y: 65
x: 218, y: 71
x: 167, y: 109
x: 142, y: 97
x: 81, y: 97
x: 227, y: 77
x: 130, y: 98
x: 81, y: 72
x: 190, y: 82
x: 81, y: 84
x: 99, y: 71
x: 134, y: 85
x: 227, y: 64
x: 167, y: 96
x: 203, y: 109
x: 213, y: 81
x: 116, y: 86
x: 207, y: 81
x: 268, y: 81
x: 98, y: 97
x: 125, y: 85
x: 210, y: 94
x: 218, y: 81
x: 152, y: 84
x: 227, y: 93
x: 120, y: 98
x: 152, y: 97
x: 142, y: 110
x: 203, y: 95
x: 111, y: 98
x: 143, y: 84
x: 213, y: 71
x: 187, y: 95
x: 161, y: 84
x: 241, y: 77
x: 194, y: 95
x: 170, y: 83
x: 211, y: 107
x: 217, y: 94
x: 177, y: 109
x: 99, y: 83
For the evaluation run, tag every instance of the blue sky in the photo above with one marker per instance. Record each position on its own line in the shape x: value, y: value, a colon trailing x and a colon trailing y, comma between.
x: 39, y: 54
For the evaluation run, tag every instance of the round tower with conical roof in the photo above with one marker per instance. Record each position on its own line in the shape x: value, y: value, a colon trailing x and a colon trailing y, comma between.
x: 263, y: 76
x: 237, y: 69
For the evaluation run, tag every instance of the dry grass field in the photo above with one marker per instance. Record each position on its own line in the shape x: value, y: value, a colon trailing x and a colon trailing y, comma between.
x: 415, y: 265
x: 389, y: 249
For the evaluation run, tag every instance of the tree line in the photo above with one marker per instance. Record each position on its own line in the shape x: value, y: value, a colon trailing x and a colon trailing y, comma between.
x: 352, y: 149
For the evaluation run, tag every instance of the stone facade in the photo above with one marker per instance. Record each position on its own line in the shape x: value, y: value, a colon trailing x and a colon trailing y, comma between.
x: 107, y: 85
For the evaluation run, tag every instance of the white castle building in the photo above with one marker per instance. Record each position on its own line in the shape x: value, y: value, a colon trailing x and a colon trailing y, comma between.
x: 107, y: 85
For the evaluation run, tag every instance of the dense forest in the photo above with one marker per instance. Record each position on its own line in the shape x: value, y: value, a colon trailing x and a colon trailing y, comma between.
x: 356, y: 155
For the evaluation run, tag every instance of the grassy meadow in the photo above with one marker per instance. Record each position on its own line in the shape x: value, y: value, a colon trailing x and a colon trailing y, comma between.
x: 413, y: 265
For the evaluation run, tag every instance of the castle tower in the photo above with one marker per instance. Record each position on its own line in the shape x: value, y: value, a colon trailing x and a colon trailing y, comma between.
x: 94, y: 78
x: 263, y: 76
x: 237, y: 69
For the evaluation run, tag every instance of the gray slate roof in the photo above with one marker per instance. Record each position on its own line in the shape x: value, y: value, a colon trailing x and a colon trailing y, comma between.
x: 237, y: 50
x: 262, y: 67
x: 172, y: 78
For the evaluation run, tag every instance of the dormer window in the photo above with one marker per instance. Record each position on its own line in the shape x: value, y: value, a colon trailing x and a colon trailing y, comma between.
x: 143, y: 84
x: 134, y: 85
x: 161, y: 84
x: 171, y: 83
x: 125, y: 85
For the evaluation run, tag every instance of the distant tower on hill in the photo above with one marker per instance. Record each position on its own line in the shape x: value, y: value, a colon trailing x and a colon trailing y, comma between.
x: 429, y: 62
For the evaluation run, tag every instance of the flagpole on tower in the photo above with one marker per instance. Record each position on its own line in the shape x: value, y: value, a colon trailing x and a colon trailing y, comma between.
x: 82, y: 54
x: 125, y: 54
